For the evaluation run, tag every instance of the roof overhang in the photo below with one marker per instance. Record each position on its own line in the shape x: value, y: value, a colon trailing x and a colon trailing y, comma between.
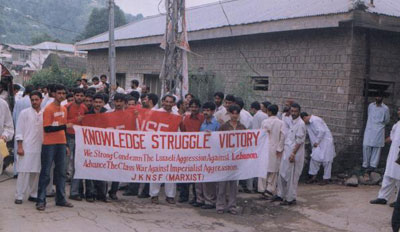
x: 359, y: 18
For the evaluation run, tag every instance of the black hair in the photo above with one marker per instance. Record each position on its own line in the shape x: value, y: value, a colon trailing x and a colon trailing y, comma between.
x: 179, y: 103
x: 230, y: 97
x: 189, y: 94
x: 273, y: 109
x: 16, y: 87
x: 95, y: 79
x: 295, y: 105
x: 58, y: 87
x: 234, y: 108
x: 103, y: 75
x: 255, y: 105
x: 239, y: 101
x: 99, y: 96
x: 266, y: 104
x: 169, y: 95
x: 120, y: 96
x: 37, y: 93
x: 209, y: 105
x: 143, y: 95
x: 69, y: 95
x: 51, y: 88
x: 135, y: 82
x: 89, y: 94
x: 219, y: 94
x: 135, y: 94
x: 153, y: 98
x: 85, y: 80
x: 91, y: 89
x: 303, y: 114
x: 130, y: 98
x: 29, y: 89
x: 195, y: 101
x: 78, y: 90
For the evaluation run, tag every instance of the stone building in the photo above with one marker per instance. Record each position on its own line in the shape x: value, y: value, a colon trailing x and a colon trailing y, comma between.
x: 331, y: 56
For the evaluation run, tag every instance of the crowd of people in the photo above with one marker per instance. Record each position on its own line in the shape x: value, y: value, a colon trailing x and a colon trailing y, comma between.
x: 43, y: 118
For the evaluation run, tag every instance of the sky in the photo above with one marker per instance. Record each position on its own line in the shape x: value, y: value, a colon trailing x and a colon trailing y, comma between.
x: 150, y: 7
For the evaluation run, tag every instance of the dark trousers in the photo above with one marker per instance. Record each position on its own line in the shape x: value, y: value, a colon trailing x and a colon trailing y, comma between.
x: 185, y: 191
x: 396, y: 215
x: 50, y: 153
x: 114, y: 188
x: 133, y: 188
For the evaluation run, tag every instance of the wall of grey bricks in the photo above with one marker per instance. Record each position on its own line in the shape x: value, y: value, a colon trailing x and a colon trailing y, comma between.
x: 322, y: 70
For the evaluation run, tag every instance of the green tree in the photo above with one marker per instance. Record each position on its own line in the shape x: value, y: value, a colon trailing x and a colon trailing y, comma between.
x: 98, y: 22
x: 42, y: 37
x: 55, y: 75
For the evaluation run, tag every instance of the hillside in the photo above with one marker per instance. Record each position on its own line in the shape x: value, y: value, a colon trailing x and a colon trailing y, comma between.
x: 64, y: 20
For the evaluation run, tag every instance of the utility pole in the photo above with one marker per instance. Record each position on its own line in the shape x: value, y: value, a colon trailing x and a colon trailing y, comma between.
x: 111, y: 47
x: 171, y: 75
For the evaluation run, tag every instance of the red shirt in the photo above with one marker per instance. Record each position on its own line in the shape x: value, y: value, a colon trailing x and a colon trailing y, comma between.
x: 74, y: 110
x: 192, y: 123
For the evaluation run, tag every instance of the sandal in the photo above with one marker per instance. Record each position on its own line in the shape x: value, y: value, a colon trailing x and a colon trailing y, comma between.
x: 41, y: 207
x: 66, y: 204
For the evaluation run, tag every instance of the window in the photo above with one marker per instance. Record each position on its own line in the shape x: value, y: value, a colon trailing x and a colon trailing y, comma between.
x: 260, y: 83
x: 376, y: 87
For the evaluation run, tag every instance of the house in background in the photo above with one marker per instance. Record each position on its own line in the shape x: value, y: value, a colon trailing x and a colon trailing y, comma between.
x: 330, y: 56
x: 25, y: 60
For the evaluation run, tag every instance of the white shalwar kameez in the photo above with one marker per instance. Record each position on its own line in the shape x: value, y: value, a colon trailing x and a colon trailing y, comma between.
x: 374, y: 135
x: 30, y: 132
x: 324, y: 153
x: 245, y: 118
x: 6, y: 125
x: 289, y: 173
x: 273, y: 126
x: 391, y: 178
x: 258, y: 118
x: 170, y: 188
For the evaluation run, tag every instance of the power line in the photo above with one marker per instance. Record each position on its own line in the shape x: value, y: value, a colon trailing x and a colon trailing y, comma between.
x: 240, y: 51
x: 40, y: 22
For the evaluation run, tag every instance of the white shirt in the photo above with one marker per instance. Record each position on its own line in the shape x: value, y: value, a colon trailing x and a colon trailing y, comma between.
x: 392, y: 168
x: 20, y: 105
x: 30, y: 131
x: 258, y: 118
x: 245, y: 118
x: 320, y: 133
x: 273, y: 126
x: 120, y: 90
x: 222, y: 116
x: 6, y: 122
x: 138, y: 89
x: 378, y: 117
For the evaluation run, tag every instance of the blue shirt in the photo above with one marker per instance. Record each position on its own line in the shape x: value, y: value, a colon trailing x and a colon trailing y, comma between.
x: 210, y: 126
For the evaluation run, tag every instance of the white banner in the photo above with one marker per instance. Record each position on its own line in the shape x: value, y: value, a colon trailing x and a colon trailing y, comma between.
x: 135, y: 156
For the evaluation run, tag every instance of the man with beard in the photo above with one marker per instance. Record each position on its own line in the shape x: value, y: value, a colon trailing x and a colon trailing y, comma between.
x: 218, y: 99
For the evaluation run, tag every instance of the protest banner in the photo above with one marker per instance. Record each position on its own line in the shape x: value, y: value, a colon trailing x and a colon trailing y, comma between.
x: 165, y: 157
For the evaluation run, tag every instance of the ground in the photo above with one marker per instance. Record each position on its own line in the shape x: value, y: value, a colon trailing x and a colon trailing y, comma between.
x: 320, y: 208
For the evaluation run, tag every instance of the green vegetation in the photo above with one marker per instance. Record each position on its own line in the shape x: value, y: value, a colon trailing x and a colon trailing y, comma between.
x: 29, y: 21
x: 54, y: 75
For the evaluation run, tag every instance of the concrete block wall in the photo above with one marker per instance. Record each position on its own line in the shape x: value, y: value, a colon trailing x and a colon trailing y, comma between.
x: 321, y: 69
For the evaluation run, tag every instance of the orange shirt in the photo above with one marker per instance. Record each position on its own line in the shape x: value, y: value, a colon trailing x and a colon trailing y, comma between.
x: 54, y: 115
x: 74, y: 110
x: 192, y: 123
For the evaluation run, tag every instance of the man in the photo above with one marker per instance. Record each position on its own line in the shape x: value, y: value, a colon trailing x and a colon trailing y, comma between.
x: 218, y: 99
x: 170, y: 188
x: 150, y: 101
x: 191, y: 123
x: 29, y: 137
x: 264, y: 107
x: 88, y: 100
x: 106, y: 85
x: 97, y: 188
x: 134, y: 87
x: 274, y: 127
x: 84, y: 84
x: 222, y: 115
x: 258, y: 115
x: 6, y: 126
x: 119, y: 104
x: 293, y: 159
x: 396, y: 215
x: 49, y: 97
x: 206, y: 192
x: 323, y: 150
x: 75, y: 112
x: 54, y: 150
x: 17, y: 92
x: 391, y: 178
x: 286, y: 118
x: 230, y: 186
x: 20, y: 105
x: 378, y: 118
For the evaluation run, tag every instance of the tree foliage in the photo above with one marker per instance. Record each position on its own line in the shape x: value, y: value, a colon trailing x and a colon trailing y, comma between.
x: 98, y: 22
x: 55, y: 75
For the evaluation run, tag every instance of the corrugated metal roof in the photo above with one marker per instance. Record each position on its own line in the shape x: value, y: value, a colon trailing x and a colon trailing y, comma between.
x: 55, y: 46
x: 243, y: 12
x: 19, y: 47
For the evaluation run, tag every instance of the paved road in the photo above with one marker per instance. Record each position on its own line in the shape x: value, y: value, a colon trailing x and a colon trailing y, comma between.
x: 327, y: 208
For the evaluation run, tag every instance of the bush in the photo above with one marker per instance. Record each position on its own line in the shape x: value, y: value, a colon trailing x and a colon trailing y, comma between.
x: 55, y: 75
